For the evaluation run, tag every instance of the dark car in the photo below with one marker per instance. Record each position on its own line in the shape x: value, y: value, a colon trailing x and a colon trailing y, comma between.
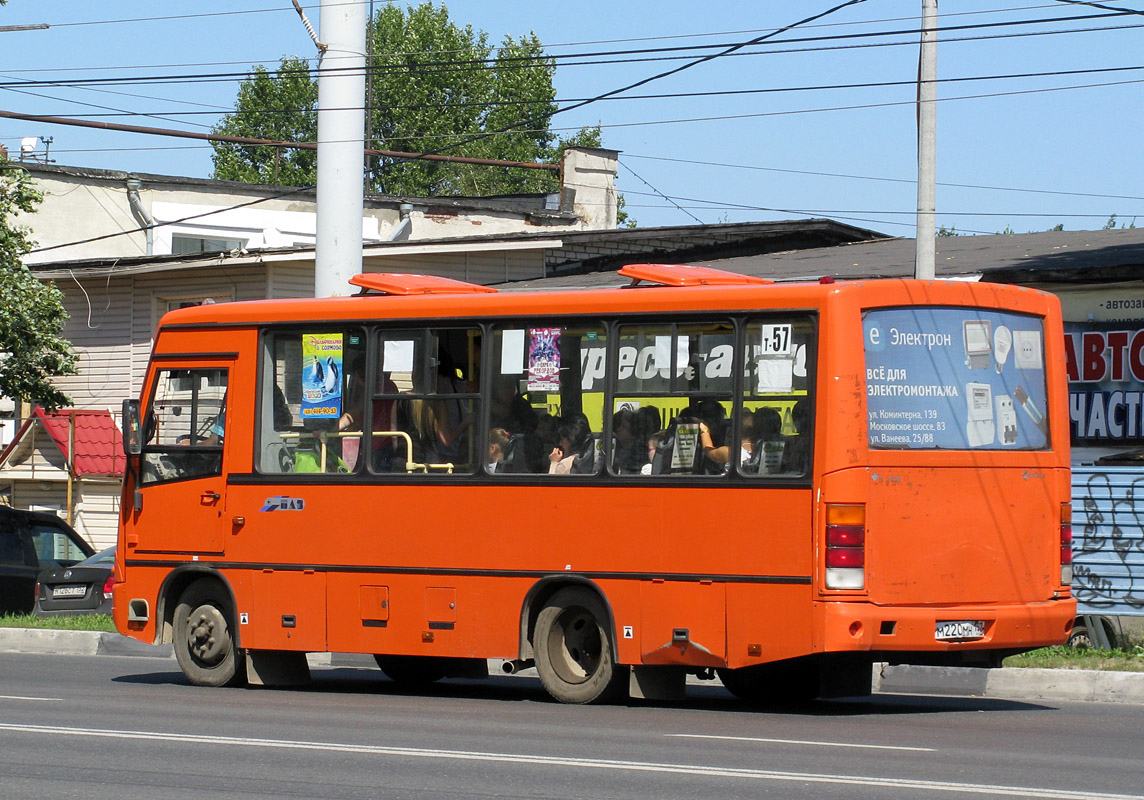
x: 82, y: 589
x: 30, y: 542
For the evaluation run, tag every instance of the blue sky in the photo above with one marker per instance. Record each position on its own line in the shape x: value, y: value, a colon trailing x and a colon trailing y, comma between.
x: 1025, y: 153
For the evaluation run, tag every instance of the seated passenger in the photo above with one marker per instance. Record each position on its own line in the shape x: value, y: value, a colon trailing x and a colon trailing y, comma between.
x: 574, y: 435
x: 499, y: 444
x: 722, y: 455
x: 796, y: 458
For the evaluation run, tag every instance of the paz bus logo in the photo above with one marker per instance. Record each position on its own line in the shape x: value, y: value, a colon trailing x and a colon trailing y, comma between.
x: 283, y: 503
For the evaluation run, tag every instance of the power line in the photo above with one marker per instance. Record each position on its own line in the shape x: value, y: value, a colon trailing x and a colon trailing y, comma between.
x: 454, y: 65
x: 662, y: 96
x: 256, y: 62
x: 909, y: 181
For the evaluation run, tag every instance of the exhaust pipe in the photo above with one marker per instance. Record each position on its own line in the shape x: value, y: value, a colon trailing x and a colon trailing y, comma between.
x: 516, y: 665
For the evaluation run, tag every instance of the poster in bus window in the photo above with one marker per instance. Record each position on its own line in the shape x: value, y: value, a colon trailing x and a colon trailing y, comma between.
x: 322, y: 375
x: 955, y: 378
x: 544, y: 359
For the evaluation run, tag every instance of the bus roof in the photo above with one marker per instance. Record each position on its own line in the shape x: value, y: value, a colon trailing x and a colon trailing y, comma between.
x: 688, y: 295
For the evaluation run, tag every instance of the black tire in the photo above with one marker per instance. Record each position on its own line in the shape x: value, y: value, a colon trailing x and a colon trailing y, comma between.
x: 772, y: 684
x: 1082, y: 639
x: 573, y: 649
x: 205, y: 646
x: 411, y: 671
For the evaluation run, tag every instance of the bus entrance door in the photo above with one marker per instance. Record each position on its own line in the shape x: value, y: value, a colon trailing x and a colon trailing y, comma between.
x: 181, y: 483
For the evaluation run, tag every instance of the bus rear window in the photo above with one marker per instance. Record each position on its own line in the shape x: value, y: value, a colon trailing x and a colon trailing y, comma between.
x: 955, y: 379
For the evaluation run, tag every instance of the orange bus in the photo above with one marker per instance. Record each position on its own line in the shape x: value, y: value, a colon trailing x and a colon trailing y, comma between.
x: 697, y: 473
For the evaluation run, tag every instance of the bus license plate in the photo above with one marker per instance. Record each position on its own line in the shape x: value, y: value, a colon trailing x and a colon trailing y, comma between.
x: 69, y: 591
x: 962, y: 629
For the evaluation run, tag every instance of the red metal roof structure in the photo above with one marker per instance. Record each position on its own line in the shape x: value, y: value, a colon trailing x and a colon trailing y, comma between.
x: 98, y: 443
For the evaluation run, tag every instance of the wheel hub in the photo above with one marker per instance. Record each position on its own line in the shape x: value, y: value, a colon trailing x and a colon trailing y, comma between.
x: 207, y: 637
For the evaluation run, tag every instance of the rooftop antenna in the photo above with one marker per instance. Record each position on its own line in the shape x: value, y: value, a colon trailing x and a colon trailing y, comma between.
x: 28, y: 149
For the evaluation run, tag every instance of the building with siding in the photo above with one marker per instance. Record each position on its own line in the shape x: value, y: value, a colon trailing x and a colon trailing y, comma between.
x: 70, y: 463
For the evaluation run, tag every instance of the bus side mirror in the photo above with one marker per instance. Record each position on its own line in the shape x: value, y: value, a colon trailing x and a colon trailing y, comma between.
x: 132, y: 442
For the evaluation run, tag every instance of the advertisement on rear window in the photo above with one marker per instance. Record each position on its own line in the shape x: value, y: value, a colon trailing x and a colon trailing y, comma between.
x: 955, y: 379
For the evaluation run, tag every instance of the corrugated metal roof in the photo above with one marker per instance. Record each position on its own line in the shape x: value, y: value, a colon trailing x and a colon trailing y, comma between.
x: 98, y: 443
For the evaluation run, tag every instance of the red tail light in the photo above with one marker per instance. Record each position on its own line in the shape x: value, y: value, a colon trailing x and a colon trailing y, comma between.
x: 1066, y: 544
x: 845, y: 546
x: 109, y: 585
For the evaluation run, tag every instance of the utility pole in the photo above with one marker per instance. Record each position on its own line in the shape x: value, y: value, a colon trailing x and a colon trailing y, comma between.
x: 341, y: 146
x: 927, y: 144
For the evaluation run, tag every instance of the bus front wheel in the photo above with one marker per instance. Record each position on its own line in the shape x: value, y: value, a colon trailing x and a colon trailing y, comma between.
x: 204, y: 642
x: 573, y: 650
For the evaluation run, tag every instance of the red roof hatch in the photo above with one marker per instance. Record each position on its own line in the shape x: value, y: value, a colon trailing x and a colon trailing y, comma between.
x: 404, y: 284
x: 685, y: 275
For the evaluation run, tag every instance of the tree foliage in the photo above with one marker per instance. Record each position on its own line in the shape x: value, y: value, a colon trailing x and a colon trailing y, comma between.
x: 434, y: 84
x: 32, y: 347
x: 280, y: 106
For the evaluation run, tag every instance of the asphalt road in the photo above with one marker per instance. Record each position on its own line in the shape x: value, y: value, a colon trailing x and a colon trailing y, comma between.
x: 76, y: 726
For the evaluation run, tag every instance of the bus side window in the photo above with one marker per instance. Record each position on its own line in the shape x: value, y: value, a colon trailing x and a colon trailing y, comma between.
x: 672, y: 408
x: 424, y: 403
x: 777, y: 397
x: 311, y: 401
x: 547, y: 380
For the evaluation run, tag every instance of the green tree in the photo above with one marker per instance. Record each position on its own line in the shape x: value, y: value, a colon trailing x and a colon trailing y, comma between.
x: 434, y: 84
x: 281, y: 106
x: 32, y: 348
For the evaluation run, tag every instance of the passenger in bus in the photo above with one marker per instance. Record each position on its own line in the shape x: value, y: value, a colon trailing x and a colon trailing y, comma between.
x: 499, y: 444
x: 353, y: 409
x: 509, y: 408
x: 722, y: 455
x: 575, y: 437
x: 627, y: 451
x: 658, y: 450
x: 796, y: 457
x: 769, y: 444
x: 387, y: 453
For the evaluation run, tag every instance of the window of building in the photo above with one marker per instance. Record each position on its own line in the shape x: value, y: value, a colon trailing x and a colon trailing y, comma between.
x: 181, y: 244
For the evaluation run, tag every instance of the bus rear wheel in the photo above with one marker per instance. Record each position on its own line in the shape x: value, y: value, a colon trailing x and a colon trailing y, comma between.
x: 573, y: 649
x: 204, y: 640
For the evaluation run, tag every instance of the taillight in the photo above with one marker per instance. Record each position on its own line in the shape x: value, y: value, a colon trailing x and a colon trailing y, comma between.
x: 1066, y: 544
x: 109, y: 585
x: 845, y: 546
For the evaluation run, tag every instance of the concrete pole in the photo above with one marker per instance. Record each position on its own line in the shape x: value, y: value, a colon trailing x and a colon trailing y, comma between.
x: 341, y: 145
x: 927, y: 144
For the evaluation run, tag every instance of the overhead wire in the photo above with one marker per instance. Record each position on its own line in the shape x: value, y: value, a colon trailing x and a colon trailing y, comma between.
x: 660, y: 96
x: 454, y: 65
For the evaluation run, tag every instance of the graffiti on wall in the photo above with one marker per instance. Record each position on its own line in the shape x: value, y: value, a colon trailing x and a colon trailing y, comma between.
x: 1108, y: 553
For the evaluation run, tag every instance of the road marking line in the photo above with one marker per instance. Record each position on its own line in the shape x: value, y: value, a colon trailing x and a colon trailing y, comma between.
x: 578, y: 763
x: 35, y: 699
x: 802, y: 741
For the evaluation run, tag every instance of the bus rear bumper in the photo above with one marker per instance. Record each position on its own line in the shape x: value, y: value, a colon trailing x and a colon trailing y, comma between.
x: 863, y: 626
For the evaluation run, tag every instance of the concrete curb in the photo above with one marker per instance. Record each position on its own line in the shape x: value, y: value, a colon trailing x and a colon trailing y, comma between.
x: 1022, y: 683
x: 77, y: 643
x: 1016, y: 683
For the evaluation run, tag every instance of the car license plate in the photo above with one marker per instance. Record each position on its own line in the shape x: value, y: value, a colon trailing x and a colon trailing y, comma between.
x: 69, y: 591
x: 961, y: 629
